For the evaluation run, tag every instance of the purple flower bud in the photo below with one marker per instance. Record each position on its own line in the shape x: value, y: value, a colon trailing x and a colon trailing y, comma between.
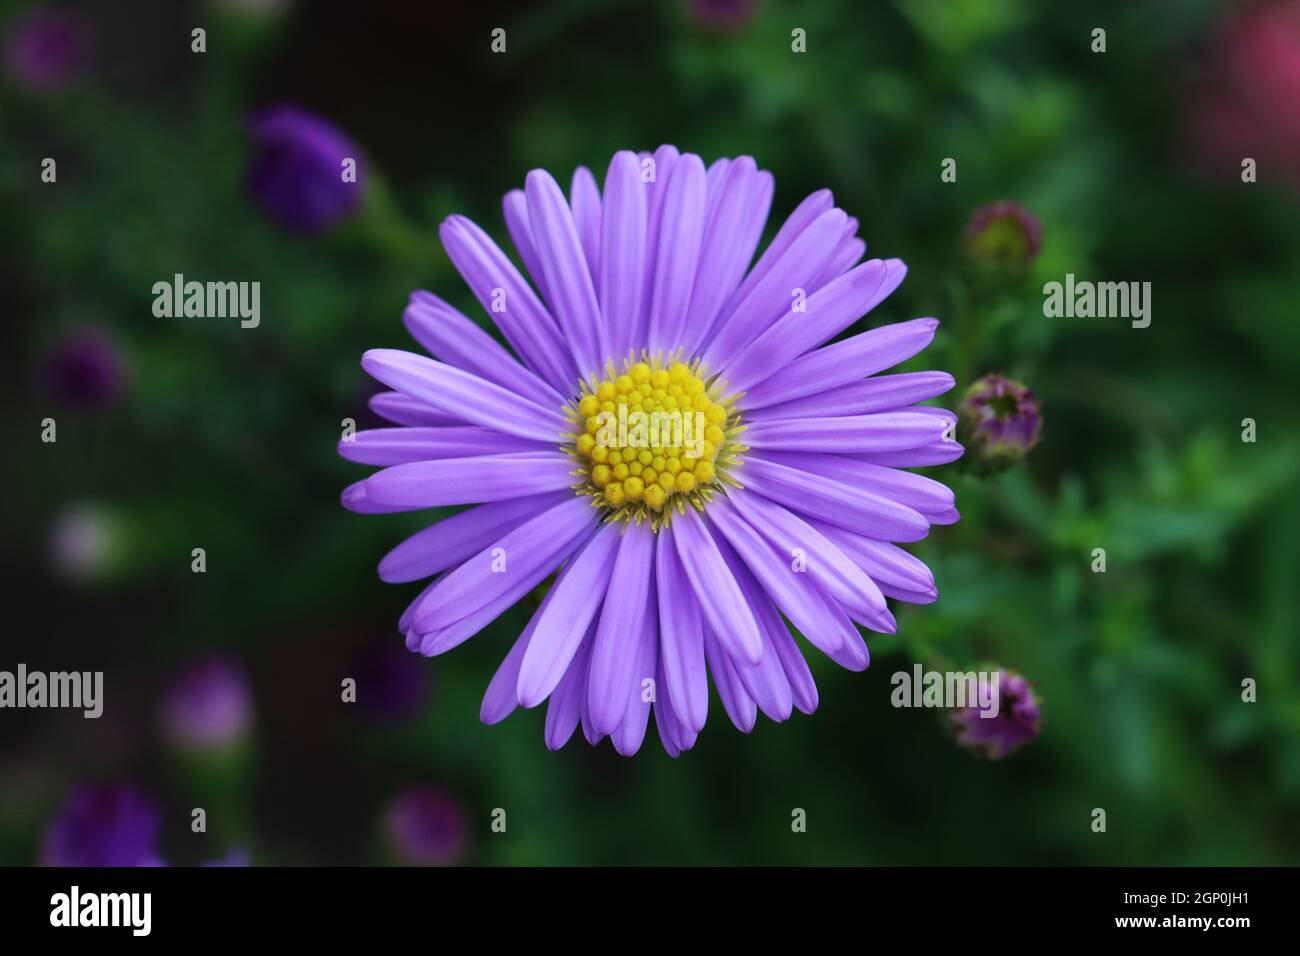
x: 721, y: 15
x: 425, y: 827
x: 297, y: 171
x: 45, y: 49
x: 1003, y: 234
x: 104, y: 826
x: 86, y: 368
x: 1018, y: 720
x: 999, y: 420
x: 209, y: 707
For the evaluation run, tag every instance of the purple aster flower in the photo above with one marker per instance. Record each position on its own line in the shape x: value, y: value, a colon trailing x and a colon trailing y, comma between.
x: 1000, y: 419
x: 670, y: 432
x: 209, y: 707
x: 297, y: 172
x: 1003, y: 233
x: 721, y: 14
x: 425, y: 827
x: 106, y: 826
x: 86, y: 368
x: 1018, y: 720
x: 45, y: 49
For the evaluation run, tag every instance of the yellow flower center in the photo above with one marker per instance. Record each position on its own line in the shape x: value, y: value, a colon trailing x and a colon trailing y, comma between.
x: 651, y: 438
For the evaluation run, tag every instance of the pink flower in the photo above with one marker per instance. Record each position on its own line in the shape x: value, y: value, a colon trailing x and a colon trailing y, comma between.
x: 1247, y: 106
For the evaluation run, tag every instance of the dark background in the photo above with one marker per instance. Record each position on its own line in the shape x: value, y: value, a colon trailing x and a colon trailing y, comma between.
x: 224, y: 438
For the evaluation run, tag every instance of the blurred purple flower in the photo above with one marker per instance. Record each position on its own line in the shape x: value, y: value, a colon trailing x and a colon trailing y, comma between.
x: 45, y: 49
x: 104, y: 826
x: 1018, y: 721
x: 425, y: 827
x: 1003, y: 233
x: 999, y: 420
x: 721, y: 15
x: 296, y: 174
x: 210, y: 706
x: 1247, y: 104
x: 86, y: 368
x: 83, y: 542
x: 391, y: 683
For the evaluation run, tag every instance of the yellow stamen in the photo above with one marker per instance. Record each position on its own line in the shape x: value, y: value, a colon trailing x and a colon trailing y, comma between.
x: 652, y: 437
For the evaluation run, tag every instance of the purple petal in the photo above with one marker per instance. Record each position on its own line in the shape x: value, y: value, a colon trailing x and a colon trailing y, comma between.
x: 833, y: 501
x: 665, y: 158
x: 681, y: 231
x: 575, y: 599
x: 396, y: 446
x: 467, y: 481
x: 916, y: 491
x: 738, y: 210
x: 827, y: 312
x: 803, y: 216
x: 406, y: 623
x: 936, y: 453
x: 834, y: 572
x: 765, y: 681
x: 681, y: 636
x: 736, y: 701
x: 531, y: 552
x: 803, y: 688
x: 627, y: 739
x: 454, y: 338
x: 355, y: 498
x: 623, y: 238
x: 452, y: 540
x: 948, y: 516
x: 507, y: 297
x: 610, y: 683
x: 455, y: 392
x: 816, y: 616
x: 846, y: 255
x: 772, y: 295
x: 573, y: 295
x: 514, y: 206
x: 853, y: 655
x: 584, y: 200
x: 848, y: 360
x: 666, y: 721
x: 565, y: 709
x: 404, y: 410
x: 878, y: 394
x: 499, y: 699
x: 852, y: 434
x: 432, y: 643
x: 719, y: 596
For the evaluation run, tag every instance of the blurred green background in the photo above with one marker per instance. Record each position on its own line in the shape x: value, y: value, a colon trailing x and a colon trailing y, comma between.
x: 224, y: 438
